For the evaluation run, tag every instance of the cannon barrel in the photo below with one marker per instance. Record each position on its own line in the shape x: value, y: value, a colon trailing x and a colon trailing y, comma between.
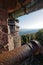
x: 18, y: 55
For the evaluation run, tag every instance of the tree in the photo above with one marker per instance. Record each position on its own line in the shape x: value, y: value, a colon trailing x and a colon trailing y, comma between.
x: 23, y: 39
x: 28, y: 37
x: 39, y: 36
x: 33, y: 37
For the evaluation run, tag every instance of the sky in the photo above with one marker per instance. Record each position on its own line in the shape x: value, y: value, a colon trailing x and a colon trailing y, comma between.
x: 33, y: 20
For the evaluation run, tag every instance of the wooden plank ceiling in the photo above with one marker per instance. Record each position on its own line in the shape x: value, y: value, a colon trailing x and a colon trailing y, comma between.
x: 21, y: 7
x: 13, y: 5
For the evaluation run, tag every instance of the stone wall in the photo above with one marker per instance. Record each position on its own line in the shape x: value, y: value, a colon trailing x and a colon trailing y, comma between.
x: 17, y: 40
x: 11, y: 42
x: 3, y: 29
x: 14, y: 39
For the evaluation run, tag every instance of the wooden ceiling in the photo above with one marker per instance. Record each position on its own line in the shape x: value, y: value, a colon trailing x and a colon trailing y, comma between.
x: 21, y: 7
x: 29, y: 7
x: 13, y: 5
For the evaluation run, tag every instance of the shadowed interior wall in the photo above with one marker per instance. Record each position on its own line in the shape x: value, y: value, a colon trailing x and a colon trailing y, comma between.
x: 3, y: 28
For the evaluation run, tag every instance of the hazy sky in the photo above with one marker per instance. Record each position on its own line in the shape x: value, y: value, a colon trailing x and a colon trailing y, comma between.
x: 32, y: 21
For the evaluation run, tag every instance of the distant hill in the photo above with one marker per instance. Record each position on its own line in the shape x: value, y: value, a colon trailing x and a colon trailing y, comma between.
x: 27, y: 31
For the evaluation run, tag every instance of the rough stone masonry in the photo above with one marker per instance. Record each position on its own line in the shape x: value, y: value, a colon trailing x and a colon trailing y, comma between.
x: 3, y: 29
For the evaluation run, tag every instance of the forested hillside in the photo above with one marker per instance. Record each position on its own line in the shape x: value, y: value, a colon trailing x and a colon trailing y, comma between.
x: 26, y: 38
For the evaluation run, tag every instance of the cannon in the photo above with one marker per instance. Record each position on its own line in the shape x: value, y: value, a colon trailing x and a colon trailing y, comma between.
x: 18, y: 55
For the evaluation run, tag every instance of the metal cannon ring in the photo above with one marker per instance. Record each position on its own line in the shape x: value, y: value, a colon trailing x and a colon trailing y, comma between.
x: 38, y: 46
x: 34, y: 42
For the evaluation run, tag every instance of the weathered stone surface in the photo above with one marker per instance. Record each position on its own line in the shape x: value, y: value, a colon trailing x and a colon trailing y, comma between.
x: 10, y: 42
x: 17, y: 40
x: 3, y: 28
x: 13, y: 37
